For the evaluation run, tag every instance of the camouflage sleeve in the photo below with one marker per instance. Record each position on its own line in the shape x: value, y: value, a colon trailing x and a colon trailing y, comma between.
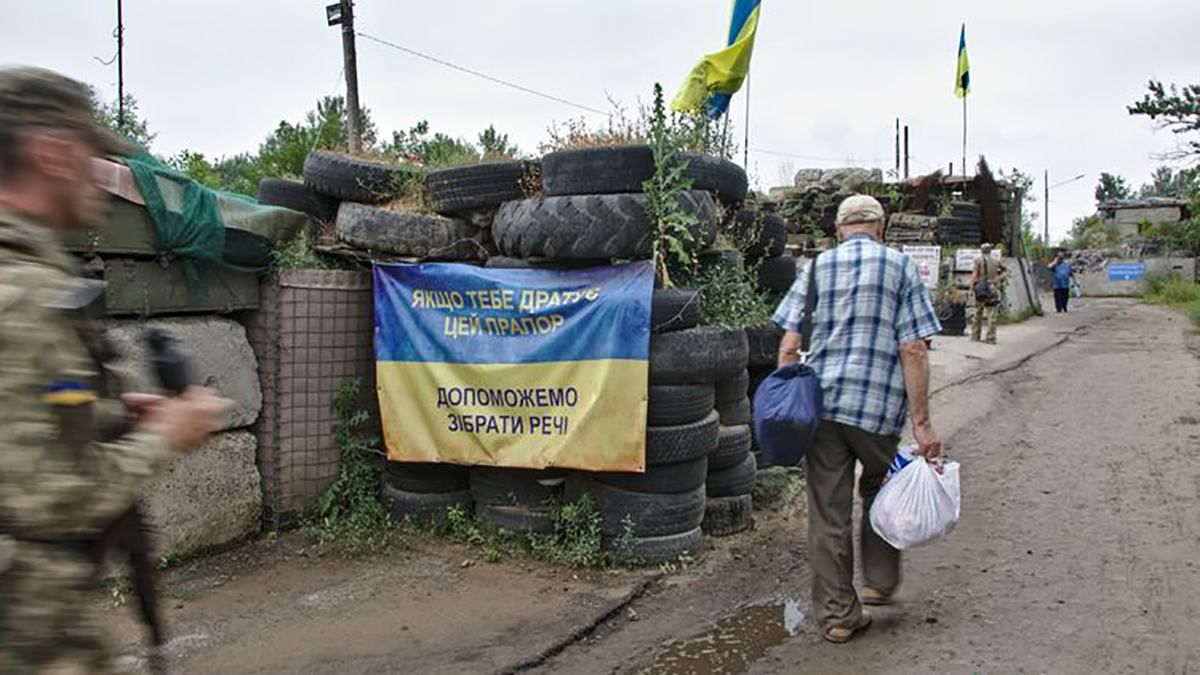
x: 56, y: 479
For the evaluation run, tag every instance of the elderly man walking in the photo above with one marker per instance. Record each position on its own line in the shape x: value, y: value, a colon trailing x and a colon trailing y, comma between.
x: 872, y: 315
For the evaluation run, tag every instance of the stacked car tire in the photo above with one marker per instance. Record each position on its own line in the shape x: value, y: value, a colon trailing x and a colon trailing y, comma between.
x: 582, y: 208
x: 424, y: 492
x: 963, y: 227
x: 399, y: 211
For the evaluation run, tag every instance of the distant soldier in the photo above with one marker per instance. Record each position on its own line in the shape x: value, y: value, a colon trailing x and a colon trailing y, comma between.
x: 986, y: 278
x: 64, y: 472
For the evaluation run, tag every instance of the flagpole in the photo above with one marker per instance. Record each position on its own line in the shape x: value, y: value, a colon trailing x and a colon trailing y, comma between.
x: 746, y: 138
x: 964, y: 154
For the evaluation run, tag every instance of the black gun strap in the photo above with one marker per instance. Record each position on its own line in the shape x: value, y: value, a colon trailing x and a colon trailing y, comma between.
x: 810, y: 307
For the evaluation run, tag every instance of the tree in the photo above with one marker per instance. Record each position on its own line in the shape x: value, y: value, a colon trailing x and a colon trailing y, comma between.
x: 1094, y: 232
x: 495, y: 145
x: 1166, y: 182
x: 1111, y: 187
x: 1174, y: 109
x: 281, y: 153
x: 108, y: 114
x: 436, y: 151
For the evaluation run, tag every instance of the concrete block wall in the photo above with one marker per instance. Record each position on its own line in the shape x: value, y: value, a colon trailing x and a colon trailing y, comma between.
x: 1095, y: 283
x: 212, y: 496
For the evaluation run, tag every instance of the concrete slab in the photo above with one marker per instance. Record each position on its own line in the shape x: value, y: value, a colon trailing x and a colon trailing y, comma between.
x: 221, y: 356
x: 208, y: 498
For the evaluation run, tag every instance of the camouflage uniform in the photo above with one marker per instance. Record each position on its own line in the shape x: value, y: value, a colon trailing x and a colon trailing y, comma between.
x: 64, y: 470
x: 985, y: 313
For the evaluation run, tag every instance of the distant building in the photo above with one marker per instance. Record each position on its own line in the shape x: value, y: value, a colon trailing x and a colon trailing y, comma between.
x: 1131, y: 216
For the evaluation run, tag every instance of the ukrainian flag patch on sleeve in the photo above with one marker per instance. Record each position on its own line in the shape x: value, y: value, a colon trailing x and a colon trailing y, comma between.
x: 69, y: 393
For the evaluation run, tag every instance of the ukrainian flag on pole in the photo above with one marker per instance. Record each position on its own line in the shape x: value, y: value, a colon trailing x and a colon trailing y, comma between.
x: 962, y: 80
x: 720, y: 75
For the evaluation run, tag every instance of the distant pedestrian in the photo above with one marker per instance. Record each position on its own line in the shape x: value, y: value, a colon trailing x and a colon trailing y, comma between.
x: 987, y: 275
x: 872, y: 315
x: 1064, y: 274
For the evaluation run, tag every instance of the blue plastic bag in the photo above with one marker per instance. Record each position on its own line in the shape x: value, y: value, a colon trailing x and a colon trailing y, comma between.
x: 787, y: 411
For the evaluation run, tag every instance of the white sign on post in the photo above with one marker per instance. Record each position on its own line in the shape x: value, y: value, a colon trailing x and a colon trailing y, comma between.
x: 964, y: 258
x: 929, y: 263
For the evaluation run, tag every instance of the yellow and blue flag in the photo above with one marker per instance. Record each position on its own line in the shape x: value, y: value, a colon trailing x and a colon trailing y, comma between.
x: 720, y: 75
x: 962, y: 79
x: 515, y: 368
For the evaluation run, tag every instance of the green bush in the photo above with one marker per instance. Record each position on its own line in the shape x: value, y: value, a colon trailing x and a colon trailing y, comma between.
x: 1171, y: 289
x: 1194, y: 312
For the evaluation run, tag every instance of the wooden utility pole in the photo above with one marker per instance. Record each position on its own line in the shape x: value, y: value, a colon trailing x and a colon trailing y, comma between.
x: 350, y: 60
x: 120, y: 68
x: 905, y: 152
x: 1046, y: 241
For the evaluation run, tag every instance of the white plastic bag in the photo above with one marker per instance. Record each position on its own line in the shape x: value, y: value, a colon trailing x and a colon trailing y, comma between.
x: 917, y: 505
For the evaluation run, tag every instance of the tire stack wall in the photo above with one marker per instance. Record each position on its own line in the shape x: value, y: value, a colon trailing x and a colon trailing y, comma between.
x: 593, y: 212
x: 392, y: 211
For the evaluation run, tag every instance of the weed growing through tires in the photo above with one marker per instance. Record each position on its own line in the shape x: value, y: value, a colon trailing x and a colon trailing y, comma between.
x: 299, y: 254
x: 730, y: 297
x: 577, y: 540
x: 348, y: 518
x: 672, y: 240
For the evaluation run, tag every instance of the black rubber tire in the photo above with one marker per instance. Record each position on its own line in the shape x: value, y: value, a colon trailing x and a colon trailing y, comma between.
x: 776, y: 275
x: 515, y: 487
x: 295, y: 195
x: 667, y: 548
x: 736, y: 480
x: 420, y: 507
x: 660, y: 479
x: 425, y: 478
x: 760, y: 235
x: 674, y: 404
x: 764, y: 345
x: 733, y: 414
x: 625, y: 168
x: 733, y: 389
x: 725, y: 516
x: 674, y: 309
x: 592, y: 226
x: 680, y: 443
x: 701, y: 355
x: 523, y: 519
x: 482, y: 186
x: 733, y: 444
x: 500, y: 262
x: 757, y: 377
x: 653, y: 515
x: 354, y: 179
x: 407, y: 234
x: 967, y: 210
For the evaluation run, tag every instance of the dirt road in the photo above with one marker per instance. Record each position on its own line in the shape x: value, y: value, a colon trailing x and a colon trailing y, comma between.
x: 1078, y: 552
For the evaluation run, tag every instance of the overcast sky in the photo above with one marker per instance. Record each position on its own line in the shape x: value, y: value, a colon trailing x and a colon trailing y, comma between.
x: 1051, y: 79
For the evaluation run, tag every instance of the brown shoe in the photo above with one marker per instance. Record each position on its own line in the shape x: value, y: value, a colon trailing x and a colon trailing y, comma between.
x: 841, y: 635
x: 873, y: 597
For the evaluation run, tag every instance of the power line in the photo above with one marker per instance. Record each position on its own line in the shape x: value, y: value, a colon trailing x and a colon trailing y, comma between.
x: 484, y: 76
x: 810, y: 157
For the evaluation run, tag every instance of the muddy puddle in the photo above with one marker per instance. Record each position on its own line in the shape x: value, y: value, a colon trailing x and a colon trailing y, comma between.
x: 734, y: 643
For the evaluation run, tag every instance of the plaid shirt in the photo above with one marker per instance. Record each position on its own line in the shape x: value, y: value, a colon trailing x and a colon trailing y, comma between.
x: 870, y: 300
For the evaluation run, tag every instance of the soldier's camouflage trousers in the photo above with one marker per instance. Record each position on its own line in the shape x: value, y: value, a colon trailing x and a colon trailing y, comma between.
x: 984, y: 314
x: 49, y: 621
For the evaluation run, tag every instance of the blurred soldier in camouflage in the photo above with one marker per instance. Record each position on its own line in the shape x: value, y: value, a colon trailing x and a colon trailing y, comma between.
x: 64, y: 473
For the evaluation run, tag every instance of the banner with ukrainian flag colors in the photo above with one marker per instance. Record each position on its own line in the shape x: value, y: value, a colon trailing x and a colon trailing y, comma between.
x: 516, y: 368
x: 720, y: 75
